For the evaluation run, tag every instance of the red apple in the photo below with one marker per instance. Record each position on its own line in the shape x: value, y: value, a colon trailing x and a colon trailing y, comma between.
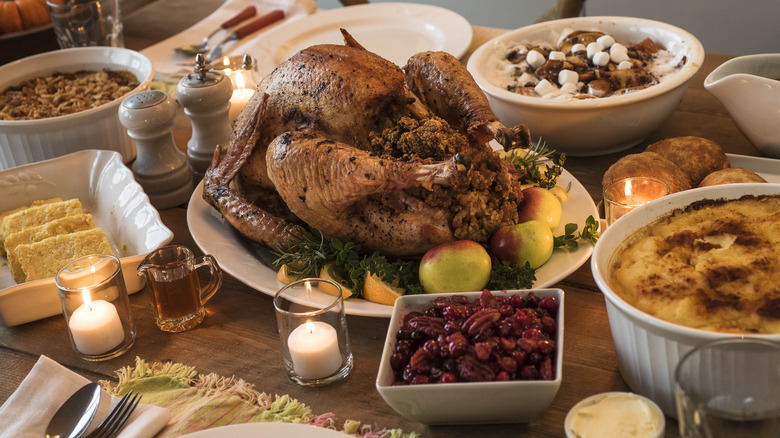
x: 531, y: 242
x: 541, y: 205
x: 460, y: 266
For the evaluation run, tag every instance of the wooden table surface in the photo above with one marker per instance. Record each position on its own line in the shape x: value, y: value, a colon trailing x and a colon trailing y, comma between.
x: 239, y: 336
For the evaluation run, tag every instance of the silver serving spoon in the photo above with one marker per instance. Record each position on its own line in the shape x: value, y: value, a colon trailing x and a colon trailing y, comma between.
x: 203, y: 47
x: 73, y: 417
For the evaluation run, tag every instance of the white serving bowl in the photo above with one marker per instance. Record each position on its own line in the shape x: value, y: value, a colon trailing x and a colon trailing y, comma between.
x: 749, y: 87
x: 649, y: 348
x: 517, y: 401
x: 108, y: 191
x: 592, y: 126
x: 28, y: 141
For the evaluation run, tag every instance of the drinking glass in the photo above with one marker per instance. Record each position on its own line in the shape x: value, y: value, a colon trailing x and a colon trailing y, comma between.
x: 96, y: 307
x: 313, y: 332
x: 81, y: 23
x: 729, y: 388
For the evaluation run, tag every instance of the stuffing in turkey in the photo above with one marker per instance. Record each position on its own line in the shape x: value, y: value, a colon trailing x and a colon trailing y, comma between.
x: 341, y: 140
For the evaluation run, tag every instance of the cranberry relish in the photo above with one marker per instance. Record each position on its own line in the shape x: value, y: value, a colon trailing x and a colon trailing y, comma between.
x: 493, y: 338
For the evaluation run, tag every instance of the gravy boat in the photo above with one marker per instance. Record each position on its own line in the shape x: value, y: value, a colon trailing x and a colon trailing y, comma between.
x: 749, y: 87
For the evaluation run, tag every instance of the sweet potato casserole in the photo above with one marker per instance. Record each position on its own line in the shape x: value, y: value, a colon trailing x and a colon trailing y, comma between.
x: 60, y: 93
x: 714, y: 265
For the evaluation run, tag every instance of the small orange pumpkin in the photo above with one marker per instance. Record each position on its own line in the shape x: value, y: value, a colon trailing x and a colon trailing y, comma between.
x: 17, y: 15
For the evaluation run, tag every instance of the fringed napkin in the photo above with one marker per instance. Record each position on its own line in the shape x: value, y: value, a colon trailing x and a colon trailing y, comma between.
x: 199, y: 402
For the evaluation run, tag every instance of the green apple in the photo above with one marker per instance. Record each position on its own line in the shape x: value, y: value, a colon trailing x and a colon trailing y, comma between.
x: 541, y: 205
x: 530, y: 241
x: 460, y: 266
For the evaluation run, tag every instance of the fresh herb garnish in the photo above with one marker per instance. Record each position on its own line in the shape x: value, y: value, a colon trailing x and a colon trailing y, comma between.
x: 531, y: 163
x: 570, y: 239
x: 504, y: 275
x: 306, y: 254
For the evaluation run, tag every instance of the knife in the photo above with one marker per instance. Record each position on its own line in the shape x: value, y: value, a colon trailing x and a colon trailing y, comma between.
x: 265, y: 20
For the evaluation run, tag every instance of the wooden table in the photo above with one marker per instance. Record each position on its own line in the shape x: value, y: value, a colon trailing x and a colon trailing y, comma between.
x: 239, y: 335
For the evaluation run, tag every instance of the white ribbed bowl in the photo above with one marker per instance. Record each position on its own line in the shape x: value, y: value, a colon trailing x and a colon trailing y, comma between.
x: 649, y: 348
x: 28, y: 141
x: 592, y: 126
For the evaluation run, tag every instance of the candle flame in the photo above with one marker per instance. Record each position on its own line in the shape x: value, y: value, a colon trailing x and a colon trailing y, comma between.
x: 627, y: 188
x: 309, y: 325
x: 308, y: 288
x: 239, y: 82
x: 87, y: 299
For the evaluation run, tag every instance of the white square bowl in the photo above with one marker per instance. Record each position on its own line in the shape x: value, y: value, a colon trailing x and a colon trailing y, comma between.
x: 108, y: 191
x: 516, y: 401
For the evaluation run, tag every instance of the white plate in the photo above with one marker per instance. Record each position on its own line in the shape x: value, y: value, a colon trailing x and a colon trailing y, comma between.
x: 107, y: 190
x: 395, y: 31
x: 214, y: 236
x: 266, y: 430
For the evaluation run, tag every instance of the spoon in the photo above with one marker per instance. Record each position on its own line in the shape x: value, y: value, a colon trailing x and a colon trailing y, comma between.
x: 73, y: 417
x: 203, y: 47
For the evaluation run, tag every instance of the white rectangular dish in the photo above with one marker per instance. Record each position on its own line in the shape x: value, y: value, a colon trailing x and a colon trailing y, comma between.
x: 108, y: 191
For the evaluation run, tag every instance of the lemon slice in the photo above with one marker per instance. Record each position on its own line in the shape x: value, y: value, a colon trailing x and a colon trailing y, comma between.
x: 560, y: 193
x: 283, y: 275
x: 378, y: 291
x: 330, y: 272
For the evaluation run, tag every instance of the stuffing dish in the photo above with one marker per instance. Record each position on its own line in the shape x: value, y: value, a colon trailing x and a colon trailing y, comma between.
x: 63, y: 93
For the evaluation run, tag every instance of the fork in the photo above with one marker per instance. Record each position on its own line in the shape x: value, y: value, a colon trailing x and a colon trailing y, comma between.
x: 116, y: 419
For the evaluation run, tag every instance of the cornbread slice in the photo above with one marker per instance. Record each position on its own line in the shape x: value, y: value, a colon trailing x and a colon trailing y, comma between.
x: 68, y: 224
x: 43, y: 259
x: 3, y: 214
x: 33, y: 216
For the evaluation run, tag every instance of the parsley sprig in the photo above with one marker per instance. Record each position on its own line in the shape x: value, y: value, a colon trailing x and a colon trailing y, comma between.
x: 570, y: 239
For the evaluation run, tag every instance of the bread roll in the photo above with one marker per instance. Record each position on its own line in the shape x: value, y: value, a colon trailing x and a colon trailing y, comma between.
x: 696, y: 156
x: 732, y: 175
x: 649, y: 165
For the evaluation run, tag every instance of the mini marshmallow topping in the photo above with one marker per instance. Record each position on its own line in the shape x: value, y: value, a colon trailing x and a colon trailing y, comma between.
x: 647, y: 65
x: 534, y: 59
x: 557, y: 55
x: 601, y: 59
x: 545, y: 87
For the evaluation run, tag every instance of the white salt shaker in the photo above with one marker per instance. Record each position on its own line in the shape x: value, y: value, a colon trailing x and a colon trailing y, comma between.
x: 205, y: 95
x: 160, y: 167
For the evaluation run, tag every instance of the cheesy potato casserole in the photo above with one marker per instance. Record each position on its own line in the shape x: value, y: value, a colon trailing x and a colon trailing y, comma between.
x: 714, y: 265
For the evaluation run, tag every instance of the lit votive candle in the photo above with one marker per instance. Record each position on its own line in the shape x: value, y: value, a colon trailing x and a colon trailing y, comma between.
x: 243, y: 90
x: 627, y: 194
x: 314, y: 350
x: 95, y: 326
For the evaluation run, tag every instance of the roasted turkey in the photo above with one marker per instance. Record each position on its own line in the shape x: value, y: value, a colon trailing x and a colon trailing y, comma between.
x: 341, y: 140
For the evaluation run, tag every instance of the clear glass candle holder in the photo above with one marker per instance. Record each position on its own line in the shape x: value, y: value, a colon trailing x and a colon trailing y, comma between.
x: 627, y: 194
x: 313, y: 332
x: 96, y: 307
x: 729, y: 388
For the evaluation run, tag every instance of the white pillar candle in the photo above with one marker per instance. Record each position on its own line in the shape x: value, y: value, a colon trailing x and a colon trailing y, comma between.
x: 314, y: 350
x: 95, y: 326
